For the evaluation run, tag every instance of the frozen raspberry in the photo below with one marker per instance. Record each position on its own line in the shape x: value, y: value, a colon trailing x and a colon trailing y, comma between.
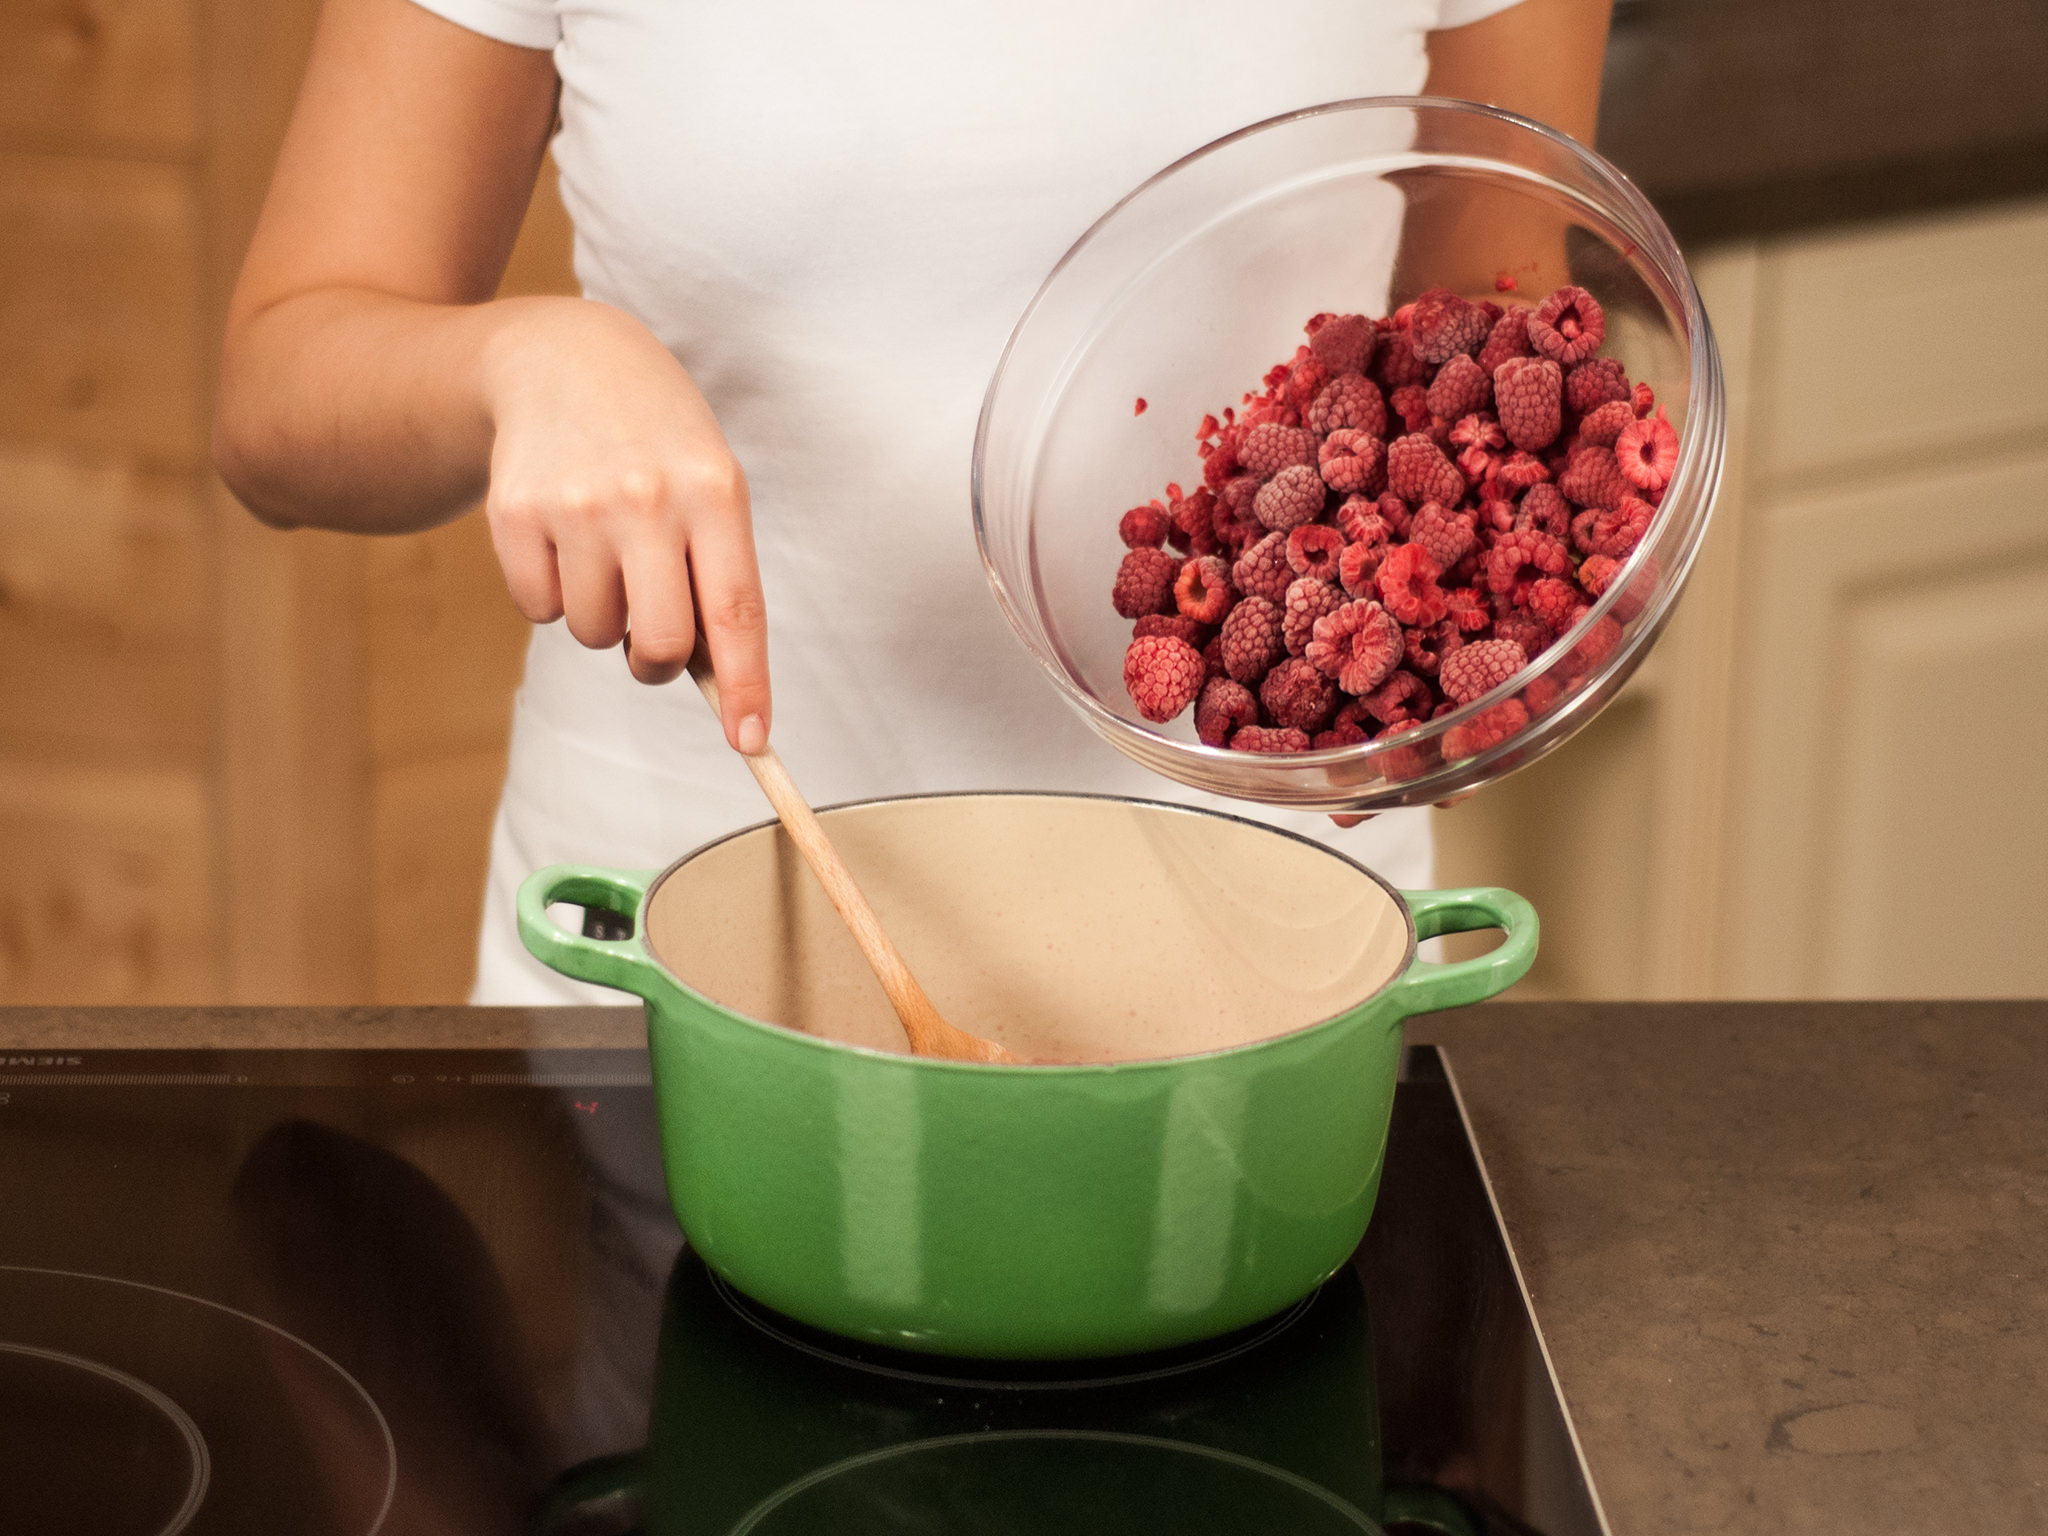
x: 1554, y: 601
x: 1360, y: 521
x: 1479, y: 668
x: 1407, y: 585
x: 1527, y: 395
x: 1543, y: 508
x: 1262, y: 570
x: 1411, y: 403
x: 1596, y: 382
x: 1467, y: 609
x: 1417, y: 471
x: 1518, y: 471
x: 1523, y: 628
x: 1568, y: 327
x: 1597, y: 573
x: 1358, y: 569
x: 1172, y: 624
x: 1405, y: 762
x: 1487, y: 729
x: 1296, y: 694
x: 1342, y: 733
x: 1541, y: 693
x: 1222, y: 709
x: 1425, y: 646
x: 1447, y: 536
x: 1202, y: 591
x: 1307, y: 600
x: 1252, y: 640
x: 1162, y: 675
x: 1393, y: 511
x: 1403, y: 696
x: 1144, y: 527
x: 1526, y: 556
x: 1395, y: 365
x: 1602, y: 425
x: 1219, y: 454
x: 1592, y: 478
x: 1478, y: 430
x: 1269, y: 448
x: 1612, y: 533
x: 1212, y: 658
x: 1647, y: 451
x: 1460, y: 389
x: 1349, y: 400
x: 1193, y: 513
x: 1304, y: 380
x: 1270, y: 739
x: 1642, y: 397
x: 1353, y: 462
x: 1343, y: 342
x: 1358, y: 645
x: 1290, y: 498
x: 1591, y: 650
x: 1313, y: 551
x: 1443, y: 325
x: 1508, y: 338
x: 1144, y: 583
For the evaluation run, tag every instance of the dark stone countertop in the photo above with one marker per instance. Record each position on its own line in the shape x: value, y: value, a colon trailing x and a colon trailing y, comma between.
x: 1790, y: 1259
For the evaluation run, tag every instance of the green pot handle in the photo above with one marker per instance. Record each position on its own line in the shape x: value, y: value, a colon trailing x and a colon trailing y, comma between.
x: 1428, y: 985
x: 622, y: 963
x: 1426, y: 1505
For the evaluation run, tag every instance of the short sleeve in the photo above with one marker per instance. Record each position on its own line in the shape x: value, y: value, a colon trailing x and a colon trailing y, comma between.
x: 522, y: 23
x: 1460, y: 13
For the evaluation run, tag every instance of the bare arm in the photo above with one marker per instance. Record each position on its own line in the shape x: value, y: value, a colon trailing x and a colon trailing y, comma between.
x: 369, y: 382
x: 1540, y: 58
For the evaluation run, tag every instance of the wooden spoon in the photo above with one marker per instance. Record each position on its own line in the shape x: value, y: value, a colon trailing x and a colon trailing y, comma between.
x: 929, y: 1034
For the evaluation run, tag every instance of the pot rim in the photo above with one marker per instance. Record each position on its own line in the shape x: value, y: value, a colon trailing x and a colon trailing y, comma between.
x: 1069, y: 1068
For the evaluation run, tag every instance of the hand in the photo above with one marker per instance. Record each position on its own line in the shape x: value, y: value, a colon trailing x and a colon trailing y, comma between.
x: 615, y: 502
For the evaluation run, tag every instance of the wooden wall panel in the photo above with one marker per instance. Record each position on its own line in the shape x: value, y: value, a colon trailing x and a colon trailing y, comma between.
x: 446, y: 645
x: 432, y: 827
x: 108, y: 896
x: 100, y: 307
x: 104, y: 612
x: 100, y: 76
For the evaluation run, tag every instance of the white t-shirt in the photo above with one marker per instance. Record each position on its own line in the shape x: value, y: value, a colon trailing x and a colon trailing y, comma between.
x: 833, y: 215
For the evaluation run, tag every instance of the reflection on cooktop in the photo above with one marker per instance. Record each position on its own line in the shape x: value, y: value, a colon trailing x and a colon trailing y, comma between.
x: 430, y: 1293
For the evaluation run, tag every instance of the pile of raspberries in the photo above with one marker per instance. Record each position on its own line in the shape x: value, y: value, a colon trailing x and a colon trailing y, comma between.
x: 1412, y: 509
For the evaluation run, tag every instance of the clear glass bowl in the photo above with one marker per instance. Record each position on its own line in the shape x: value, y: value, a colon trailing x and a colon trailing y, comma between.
x: 1183, y: 295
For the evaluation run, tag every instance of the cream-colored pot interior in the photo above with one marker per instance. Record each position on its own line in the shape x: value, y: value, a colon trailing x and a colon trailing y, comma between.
x: 1067, y: 929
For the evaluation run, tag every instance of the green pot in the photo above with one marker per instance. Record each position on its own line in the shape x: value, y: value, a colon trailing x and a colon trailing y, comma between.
x: 1099, y: 1206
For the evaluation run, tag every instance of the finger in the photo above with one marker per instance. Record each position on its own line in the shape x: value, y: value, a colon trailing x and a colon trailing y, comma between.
x: 593, y: 593
x: 527, y: 558
x: 727, y: 581
x: 1352, y: 821
x: 660, y: 618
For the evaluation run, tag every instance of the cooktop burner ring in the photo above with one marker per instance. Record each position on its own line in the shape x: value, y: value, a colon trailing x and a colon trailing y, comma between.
x: 199, y: 1458
x: 783, y: 1330
x: 151, y: 1394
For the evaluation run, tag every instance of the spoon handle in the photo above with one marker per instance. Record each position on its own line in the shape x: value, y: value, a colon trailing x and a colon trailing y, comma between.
x: 930, y: 1035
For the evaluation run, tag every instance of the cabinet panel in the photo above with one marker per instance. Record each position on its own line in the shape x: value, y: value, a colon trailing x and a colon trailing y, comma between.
x: 107, y: 897
x: 100, y: 76
x: 99, y: 307
x: 1938, y: 840
x: 1903, y: 339
x: 103, y: 610
x: 1889, y: 749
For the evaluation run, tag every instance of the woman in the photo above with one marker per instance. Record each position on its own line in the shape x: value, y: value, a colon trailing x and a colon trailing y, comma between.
x: 803, y: 233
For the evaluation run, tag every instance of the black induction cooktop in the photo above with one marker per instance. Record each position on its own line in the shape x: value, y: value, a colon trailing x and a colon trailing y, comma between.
x: 414, y: 1293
